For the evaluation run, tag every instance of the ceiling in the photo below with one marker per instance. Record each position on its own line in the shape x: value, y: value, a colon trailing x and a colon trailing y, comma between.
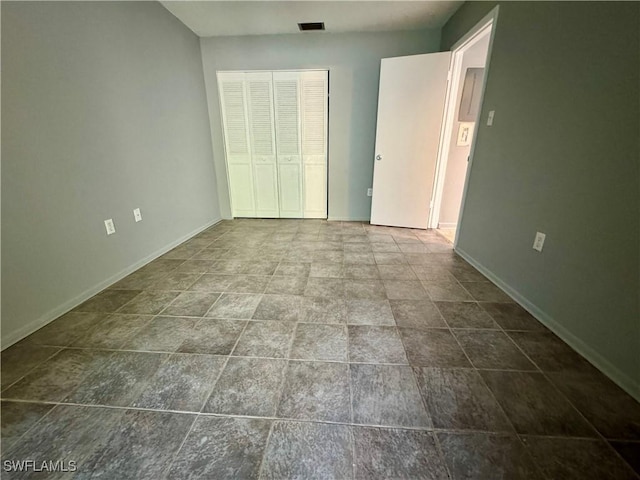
x: 266, y: 17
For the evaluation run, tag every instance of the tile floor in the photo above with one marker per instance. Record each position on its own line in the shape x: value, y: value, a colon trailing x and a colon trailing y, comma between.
x: 307, y: 349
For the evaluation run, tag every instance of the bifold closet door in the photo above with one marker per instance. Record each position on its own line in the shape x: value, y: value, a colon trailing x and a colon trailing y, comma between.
x: 288, y: 143
x: 233, y: 102
x: 263, y: 149
x: 314, y: 111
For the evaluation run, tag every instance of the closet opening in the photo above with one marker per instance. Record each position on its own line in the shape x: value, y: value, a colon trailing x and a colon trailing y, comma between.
x: 276, y: 142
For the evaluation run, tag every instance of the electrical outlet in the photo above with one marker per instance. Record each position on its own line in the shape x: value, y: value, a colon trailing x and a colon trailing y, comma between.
x: 369, y: 192
x: 137, y: 215
x: 490, y: 117
x: 538, y: 243
x: 111, y: 228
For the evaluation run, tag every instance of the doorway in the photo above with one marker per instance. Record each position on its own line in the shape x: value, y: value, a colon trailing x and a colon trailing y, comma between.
x: 460, y: 124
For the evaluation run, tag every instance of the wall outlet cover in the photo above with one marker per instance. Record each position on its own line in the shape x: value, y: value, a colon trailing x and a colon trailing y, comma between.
x: 369, y: 192
x: 538, y: 243
x: 490, y: 117
x: 137, y: 215
x: 110, y: 227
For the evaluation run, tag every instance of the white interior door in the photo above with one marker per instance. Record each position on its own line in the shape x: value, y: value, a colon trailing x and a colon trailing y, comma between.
x: 263, y: 145
x: 410, y: 108
x: 286, y: 90
x: 233, y: 104
x: 314, y: 107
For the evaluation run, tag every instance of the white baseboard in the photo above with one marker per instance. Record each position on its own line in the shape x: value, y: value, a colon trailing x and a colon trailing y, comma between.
x: 631, y: 386
x: 447, y: 225
x: 54, y: 313
x: 345, y: 219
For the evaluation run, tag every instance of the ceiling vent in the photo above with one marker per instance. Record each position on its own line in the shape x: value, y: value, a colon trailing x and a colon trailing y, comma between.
x: 304, y: 27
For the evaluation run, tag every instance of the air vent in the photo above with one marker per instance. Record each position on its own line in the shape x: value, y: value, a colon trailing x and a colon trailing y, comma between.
x: 311, y: 26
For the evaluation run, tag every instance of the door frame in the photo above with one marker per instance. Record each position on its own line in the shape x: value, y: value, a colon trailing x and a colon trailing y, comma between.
x: 466, y: 41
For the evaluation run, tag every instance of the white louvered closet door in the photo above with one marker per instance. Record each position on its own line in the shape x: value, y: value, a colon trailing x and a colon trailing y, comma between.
x: 286, y: 87
x: 314, y: 111
x: 259, y: 87
x: 236, y: 135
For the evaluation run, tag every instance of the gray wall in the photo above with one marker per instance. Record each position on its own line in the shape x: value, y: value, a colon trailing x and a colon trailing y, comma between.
x: 353, y: 61
x: 562, y: 158
x: 103, y: 110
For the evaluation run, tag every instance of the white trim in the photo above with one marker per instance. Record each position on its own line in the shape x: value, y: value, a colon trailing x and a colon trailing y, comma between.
x: 348, y: 219
x: 631, y: 386
x: 447, y: 225
x: 56, y: 312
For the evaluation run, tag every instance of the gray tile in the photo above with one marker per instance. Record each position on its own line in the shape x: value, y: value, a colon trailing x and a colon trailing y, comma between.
x: 210, y: 254
x: 142, y: 446
x: 328, y: 256
x: 229, y: 266
x: 446, y: 290
x: 511, y: 316
x: 215, y: 337
x: 18, y: 360
x: 107, y: 301
x: 54, y: 379
x: 327, y: 270
x: 265, y: 339
x: 279, y: 307
x: 361, y: 258
x: 492, y: 349
x: 213, y: 283
x: 435, y: 347
x: 434, y: 273
x: 458, y: 399
x: 162, y: 334
x: 324, y: 287
x: 389, y: 258
x: 384, y: 453
x: 466, y: 273
x: 534, y: 406
x: 18, y: 418
x: 316, y: 391
x: 119, y: 381
x: 235, y: 305
x: 375, y: 344
x: 287, y: 285
x: 404, y: 290
x: 465, y: 315
x: 323, y: 310
x: 222, y: 448
x: 369, y: 312
x: 320, y: 342
x: 248, y: 284
x: 181, y: 383
x: 487, y: 457
x: 486, y: 292
x: 630, y: 451
x: 396, y: 272
x: 113, y: 331
x: 195, y: 266
x: 300, y: 451
x: 176, y: 281
x: 260, y: 268
x: 366, y: 289
x: 613, y: 412
x: 380, y: 238
x: 416, y: 314
x: 293, y: 269
x: 359, y: 271
x: 191, y: 304
x: 247, y: 386
x: 381, y: 247
x: 67, y: 328
x: 550, y: 353
x: 66, y: 433
x: 413, y: 248
x: 149, y: 302
x: 386, y: 395
x: 577, y: 459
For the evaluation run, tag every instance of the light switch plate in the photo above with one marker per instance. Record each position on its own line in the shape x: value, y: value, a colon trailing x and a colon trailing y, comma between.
x: 538, y: 243
x: 490, y: 117
x: 137, y: 215
x: 111, y: 228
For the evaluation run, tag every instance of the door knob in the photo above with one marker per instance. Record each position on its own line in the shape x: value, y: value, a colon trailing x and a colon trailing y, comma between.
x: 378, y: 157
